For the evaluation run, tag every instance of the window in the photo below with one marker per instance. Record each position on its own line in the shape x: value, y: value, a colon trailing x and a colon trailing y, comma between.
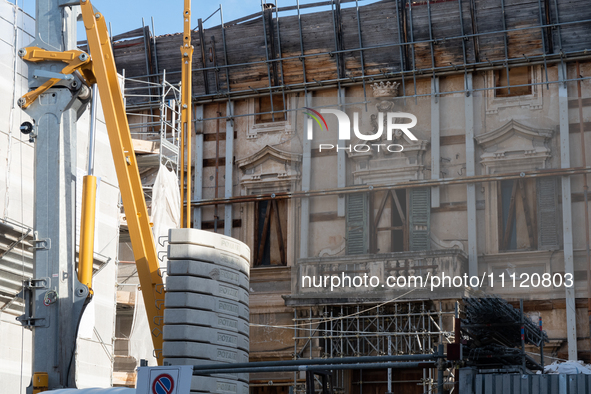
x: 389, y: 224
x: 268, y: 113
x: 270, y: 234
x: 517, y: 76
x: 528, y: 214
x: 388, y: 221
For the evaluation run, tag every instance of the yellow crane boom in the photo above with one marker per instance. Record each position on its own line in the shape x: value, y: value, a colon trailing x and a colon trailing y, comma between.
x: 186, y: 93
x: 100, y: 69
x: 130, y: 185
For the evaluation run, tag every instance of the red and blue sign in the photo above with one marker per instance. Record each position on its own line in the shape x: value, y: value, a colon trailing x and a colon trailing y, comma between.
x: 163, y: 384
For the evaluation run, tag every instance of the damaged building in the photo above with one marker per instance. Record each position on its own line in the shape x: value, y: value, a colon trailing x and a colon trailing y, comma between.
x: 492, y: 186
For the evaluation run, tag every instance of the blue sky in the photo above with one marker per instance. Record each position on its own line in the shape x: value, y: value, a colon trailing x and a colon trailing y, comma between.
x: 125, y: 15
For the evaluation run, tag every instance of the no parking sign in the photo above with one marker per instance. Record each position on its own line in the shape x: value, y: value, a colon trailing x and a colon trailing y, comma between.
x: 164, y: 380
x: 163, y: 384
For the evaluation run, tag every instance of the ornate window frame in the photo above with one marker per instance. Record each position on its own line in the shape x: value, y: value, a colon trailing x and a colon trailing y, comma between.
x: 268, y: 171
x: 532, y: 101
x: 504, y: 149
x: 254, y: 129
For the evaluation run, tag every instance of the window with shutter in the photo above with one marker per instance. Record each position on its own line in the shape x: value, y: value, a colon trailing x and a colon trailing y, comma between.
x: 357, y: 224
x: 420, y: 218
x: 528, y: 214
x: 548, y: 216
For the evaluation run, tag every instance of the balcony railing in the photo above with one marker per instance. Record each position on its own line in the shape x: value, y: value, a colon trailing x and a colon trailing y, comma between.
x: 379, y: 276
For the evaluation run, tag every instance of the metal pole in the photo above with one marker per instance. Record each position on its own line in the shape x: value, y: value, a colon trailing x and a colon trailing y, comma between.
x: 382, y: 360
x: 217, y: 169
x: 440, y: 369
x: 541, y: 343
x: 186, y: 104
x: 198, y: 370
x: 389, y: 369
x: 54, y: 297
x: 266, y: 14
x: 88, y: 208
x: 522, y: 321
x: 458, y: 342
x: 401, y: 185
x: 585, y: 194
x: 92, y: 134
x: 295, y: 347
x: 302, y: 59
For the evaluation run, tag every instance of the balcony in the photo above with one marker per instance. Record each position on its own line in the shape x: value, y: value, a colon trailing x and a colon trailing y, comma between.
x: 312, y: 277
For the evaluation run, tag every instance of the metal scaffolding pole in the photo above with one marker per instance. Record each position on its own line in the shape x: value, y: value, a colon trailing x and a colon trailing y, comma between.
x: 401, y: 329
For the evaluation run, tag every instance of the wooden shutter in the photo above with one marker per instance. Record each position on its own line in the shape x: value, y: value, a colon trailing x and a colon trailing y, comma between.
x: 357, y: 223
x: 548, y: 215
x: 420, y: 219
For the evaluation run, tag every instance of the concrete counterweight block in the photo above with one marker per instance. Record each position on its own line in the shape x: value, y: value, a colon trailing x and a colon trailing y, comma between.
x: 190, y: 236
x: 206, y: 320
x: 186, y: 332
x: 205, y: 384
x: 208, y: 255
x: 204, y: 302
x: 207, y: 270
x: 206, y: 286
x: 203, y: 351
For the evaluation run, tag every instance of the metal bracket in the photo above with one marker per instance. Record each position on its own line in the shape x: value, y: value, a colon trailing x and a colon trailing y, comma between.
x: 27, y: 319
x: 50, y: 75
x: 75, y: 60
x: 45, y: 243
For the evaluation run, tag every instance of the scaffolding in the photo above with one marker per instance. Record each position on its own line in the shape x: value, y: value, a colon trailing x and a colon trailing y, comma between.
x: 421, y: 39
x: 395, y: 328
x: 154, y: 112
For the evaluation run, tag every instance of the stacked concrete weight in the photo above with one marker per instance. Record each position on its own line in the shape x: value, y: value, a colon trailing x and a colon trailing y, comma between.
x: 206, y: 315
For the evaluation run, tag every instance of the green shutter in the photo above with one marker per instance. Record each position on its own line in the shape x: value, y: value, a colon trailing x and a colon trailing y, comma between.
x: 357, y: 223
x: 548, y: 215
x: 420, y: 218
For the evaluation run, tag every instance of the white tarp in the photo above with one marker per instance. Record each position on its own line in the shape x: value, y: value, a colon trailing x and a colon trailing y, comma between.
x: 165, y: 212
x: 166, y: 204
x: 568, y: 367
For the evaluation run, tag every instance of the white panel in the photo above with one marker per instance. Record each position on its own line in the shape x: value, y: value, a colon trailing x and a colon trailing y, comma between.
x: 7, y: 11
x: 7, y: 32
x: 11, y: 338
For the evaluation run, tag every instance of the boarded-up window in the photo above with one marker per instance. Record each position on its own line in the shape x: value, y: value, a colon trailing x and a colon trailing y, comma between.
x: 357, y: 224
x: 528, y: 214
x: 509, y: 86
x: 268, y: 113
x: 270, y: 233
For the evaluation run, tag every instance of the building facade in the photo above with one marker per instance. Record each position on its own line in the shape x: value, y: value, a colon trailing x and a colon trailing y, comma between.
x: 493, y: 186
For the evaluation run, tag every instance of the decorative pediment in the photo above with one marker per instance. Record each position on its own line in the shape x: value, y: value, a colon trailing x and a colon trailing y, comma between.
x: 378, y: 165
x: 514, y: 145
x: 269, y: 170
